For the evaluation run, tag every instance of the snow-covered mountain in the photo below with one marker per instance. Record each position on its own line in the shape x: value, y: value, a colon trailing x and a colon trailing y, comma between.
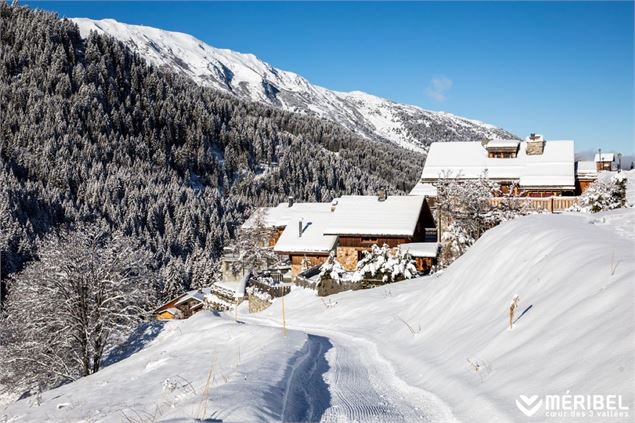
x: 249, y: 78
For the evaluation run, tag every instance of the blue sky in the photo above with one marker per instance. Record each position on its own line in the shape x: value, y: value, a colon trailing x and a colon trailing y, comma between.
x: 563, y: 69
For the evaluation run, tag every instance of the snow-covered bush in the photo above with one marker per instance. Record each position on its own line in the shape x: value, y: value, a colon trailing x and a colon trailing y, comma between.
x: 466, y: 203
x: 454, y: 242
x: 382, y: 263
x: 331, y: 268
x: 606, y: 193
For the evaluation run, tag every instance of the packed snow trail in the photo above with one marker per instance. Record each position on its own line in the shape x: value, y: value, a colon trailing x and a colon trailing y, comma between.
x: 362, y: 384
x: 364, y: 389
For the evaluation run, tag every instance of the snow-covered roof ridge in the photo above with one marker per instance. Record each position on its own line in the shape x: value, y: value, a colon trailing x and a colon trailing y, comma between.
x: 554, y: 167
x: 397, y: 215
x: 283, y: 214
x: 503, y: 143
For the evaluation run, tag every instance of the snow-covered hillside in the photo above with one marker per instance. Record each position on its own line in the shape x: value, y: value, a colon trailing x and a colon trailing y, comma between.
x: 433, y: 349
x: 249, y: 78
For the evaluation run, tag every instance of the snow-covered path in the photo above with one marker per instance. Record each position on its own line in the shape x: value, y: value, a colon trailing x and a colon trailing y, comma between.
x: 362, y: 384
x: 364, y: 389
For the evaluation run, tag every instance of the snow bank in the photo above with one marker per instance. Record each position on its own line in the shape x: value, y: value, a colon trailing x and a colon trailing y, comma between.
x: 575, y: 332
x: 167, y: 379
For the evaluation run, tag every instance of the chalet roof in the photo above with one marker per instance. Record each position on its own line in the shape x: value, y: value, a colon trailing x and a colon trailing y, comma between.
x: 502, y: 143
x: 606, y: 157
x: 312, y: 240
x: 553, y: 168
x: 366, y: 215
x: 196, y: 295
x: 420, y: 249
x: 282, y: 214
x: 424, y: 189
x: 586, y: 169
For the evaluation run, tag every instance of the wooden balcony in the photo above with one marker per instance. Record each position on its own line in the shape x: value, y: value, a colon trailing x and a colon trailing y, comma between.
x: 551, y: 204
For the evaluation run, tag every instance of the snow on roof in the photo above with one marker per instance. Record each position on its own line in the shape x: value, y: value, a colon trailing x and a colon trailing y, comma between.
x: 173, y: 311
x: 366, y: 215
x: 501, y: 143
x: 236, y: 288
x: 606, y: 157
x: 312, y: 240
x: 421, y: 188
x: 586, y: 168
x: 196, y: 294
x: 282, y: 214
x: 420, y: 249
x: 555, y: 167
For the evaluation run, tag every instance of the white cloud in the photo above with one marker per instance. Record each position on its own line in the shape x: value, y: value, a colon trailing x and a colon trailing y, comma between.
x: 438, y: 87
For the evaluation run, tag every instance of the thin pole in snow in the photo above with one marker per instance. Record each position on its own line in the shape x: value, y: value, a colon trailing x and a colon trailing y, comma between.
x: 284, y: 322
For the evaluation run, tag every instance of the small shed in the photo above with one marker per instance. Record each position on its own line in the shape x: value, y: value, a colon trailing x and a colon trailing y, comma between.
x: 182, y: 306
x: 424, y: 253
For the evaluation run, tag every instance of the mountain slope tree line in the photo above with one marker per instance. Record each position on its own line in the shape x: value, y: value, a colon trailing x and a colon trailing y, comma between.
x: 89, y: 132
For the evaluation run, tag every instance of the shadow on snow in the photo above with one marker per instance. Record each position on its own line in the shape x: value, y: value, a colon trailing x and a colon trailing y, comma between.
x: 142, y: 336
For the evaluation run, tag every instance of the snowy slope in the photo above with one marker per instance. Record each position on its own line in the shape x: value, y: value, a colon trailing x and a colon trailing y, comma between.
x: 249, y: 78
x: 400, y: 353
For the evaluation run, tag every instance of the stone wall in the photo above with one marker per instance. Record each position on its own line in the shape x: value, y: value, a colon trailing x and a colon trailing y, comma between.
x: 535, y: 148
x: 347, y: 257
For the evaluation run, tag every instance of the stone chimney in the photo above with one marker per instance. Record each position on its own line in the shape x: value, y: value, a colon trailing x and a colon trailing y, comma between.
x: 382, y: 194
x: 333, y: 205
x: 291, y: 201
x: 535, y: 144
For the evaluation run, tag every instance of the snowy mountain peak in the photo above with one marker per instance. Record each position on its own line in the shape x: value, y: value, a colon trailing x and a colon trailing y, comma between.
x: 251, y: 79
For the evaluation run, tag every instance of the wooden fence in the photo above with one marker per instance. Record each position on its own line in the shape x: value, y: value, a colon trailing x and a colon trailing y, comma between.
x: 551, y: 204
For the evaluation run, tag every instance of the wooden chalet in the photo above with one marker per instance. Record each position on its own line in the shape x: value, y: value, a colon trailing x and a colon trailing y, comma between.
x: 182, y: 306
x: 424, y: 253
x: 359, y: 222
x: 534, y: 167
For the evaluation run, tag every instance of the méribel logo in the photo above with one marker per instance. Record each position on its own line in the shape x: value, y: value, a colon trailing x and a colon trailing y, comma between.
x: 529, y: 404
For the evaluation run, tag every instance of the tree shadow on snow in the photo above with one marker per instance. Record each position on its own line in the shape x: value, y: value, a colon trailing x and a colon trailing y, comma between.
x: 142, y: 335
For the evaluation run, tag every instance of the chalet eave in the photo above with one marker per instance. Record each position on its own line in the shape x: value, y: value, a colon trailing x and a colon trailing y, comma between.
x: 310, y: 252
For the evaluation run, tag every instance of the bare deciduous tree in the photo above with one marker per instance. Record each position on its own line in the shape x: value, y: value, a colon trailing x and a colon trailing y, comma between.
x: 88, y: 289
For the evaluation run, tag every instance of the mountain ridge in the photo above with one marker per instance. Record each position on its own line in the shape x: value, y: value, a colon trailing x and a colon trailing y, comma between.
x: 249, y: 78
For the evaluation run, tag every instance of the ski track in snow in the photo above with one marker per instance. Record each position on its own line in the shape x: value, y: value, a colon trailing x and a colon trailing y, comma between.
x: 362, y: 384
